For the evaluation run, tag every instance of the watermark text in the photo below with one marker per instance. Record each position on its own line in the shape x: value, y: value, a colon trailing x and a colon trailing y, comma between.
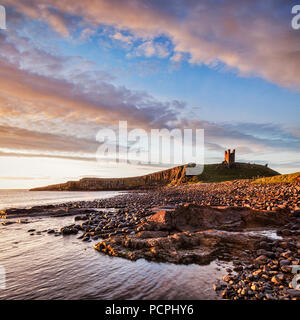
x: 296, y: 279
x: 158, y: 147
x: 2, y: 18
x: 2, y: 278
x: 296, y: 18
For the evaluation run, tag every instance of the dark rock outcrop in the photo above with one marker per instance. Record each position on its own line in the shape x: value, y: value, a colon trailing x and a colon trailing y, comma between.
x: 193, y: 234
x: 195, y: 218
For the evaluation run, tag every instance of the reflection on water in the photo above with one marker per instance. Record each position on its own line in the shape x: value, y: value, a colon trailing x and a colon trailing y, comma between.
x: 48, y: 267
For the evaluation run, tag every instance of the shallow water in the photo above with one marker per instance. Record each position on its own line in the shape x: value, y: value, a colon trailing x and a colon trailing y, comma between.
x: 48, y: 267
x: 27, y: 199
x: 272, y: 234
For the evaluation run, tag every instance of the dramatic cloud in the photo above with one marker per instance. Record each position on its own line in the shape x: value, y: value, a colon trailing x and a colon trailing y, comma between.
x: 248, y: 138
x: 53, y: 103
x: 27, y: 140
x: 35, y: 82
x: 252, y: 37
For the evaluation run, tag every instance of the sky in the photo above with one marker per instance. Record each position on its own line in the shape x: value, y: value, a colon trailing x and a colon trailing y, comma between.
x: 71, y: 68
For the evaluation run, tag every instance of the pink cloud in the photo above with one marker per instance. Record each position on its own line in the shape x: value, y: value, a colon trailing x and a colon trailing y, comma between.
x: 250, y: 37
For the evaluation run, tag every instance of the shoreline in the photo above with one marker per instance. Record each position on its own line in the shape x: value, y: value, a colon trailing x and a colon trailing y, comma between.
x: 238, y: 193
x: 24, y: 199
x: 197, y: 224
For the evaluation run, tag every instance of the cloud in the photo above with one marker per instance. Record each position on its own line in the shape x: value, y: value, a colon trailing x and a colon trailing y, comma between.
x: 123, y: 38
x: 56, y: 22
x: 27, y: 143
x: 252, y: 37
x: 249, y: 139
x: 51, y: 104
x: 57, y: 114
x: 18, y: 139
x: 150, y: 49
x: 38, y: 83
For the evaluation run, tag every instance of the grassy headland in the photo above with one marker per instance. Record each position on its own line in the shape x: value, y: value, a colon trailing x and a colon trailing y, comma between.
x: 220, y: 173
x: 173, y: 176
x: 282, y: 178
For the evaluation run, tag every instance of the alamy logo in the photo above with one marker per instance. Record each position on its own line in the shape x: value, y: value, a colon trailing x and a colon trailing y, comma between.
x: 2, y: 17
x: 296, y: 18
x: 296, y: 279
x: 156, y: 147
x: 2, y: 278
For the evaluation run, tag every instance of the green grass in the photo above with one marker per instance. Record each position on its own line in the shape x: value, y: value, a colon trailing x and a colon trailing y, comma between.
x: 219, y: 172
x: 283, y: 178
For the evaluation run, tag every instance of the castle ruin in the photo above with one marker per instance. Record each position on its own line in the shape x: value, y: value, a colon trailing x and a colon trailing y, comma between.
x: 229, y: 158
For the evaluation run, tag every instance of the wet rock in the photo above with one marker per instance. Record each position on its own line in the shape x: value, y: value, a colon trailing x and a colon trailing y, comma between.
x: 7, y: 223
x: 284, y: 262
x: 276, y: 280
x: 227, y: 278
x: 219, y: 285
x: 261, y: 259
x: 238, y: 268
x: 69, y: 230
x: 78, y: 218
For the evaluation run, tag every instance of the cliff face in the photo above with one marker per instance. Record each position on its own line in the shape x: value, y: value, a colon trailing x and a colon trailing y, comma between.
x: 161, y: 178
x: 211, y: 173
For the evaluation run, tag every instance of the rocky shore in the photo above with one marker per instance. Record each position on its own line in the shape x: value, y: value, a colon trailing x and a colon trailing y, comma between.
x: 256, y: 226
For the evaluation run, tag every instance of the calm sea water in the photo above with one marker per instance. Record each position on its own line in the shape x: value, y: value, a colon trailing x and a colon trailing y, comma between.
x: 48, y: 267
x: 27, y: 199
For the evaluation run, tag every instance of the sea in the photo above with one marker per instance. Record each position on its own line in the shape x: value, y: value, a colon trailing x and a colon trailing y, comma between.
x: 42, y: 266
x: 28, y: 199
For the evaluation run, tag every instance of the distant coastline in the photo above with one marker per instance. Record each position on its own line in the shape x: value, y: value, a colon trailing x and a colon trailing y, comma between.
x: 173, y: 176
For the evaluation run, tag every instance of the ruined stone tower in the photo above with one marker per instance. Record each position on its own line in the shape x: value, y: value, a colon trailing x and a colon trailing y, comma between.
x: 229, y: 157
